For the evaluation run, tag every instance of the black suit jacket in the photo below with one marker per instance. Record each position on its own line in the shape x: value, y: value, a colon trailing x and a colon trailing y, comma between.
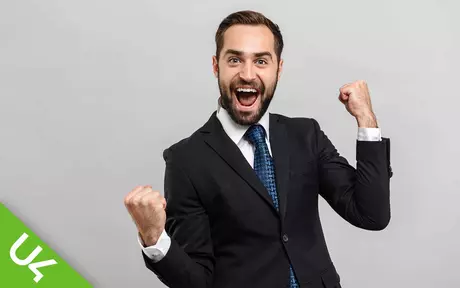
x: 225, y: 230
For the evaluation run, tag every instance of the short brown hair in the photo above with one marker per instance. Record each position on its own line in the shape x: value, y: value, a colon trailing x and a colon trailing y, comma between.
x: 248, y: 17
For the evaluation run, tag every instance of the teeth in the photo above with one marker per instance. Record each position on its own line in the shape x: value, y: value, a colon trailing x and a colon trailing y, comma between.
x: 247, y: 90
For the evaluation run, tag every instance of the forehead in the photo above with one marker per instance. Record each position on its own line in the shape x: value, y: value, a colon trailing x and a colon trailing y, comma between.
x: 249, y: 38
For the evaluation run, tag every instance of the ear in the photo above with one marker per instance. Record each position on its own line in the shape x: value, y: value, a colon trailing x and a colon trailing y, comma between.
x: 280, y: 69
x: 215, y: 66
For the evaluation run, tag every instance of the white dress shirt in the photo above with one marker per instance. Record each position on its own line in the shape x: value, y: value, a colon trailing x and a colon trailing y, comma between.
x: 236, y: 133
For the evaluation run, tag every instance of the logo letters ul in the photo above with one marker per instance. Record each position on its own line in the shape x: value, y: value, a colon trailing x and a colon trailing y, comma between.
x: 32, y: 266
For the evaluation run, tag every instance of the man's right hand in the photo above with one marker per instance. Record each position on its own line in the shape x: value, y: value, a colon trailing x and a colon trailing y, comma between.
x: 147, y: 208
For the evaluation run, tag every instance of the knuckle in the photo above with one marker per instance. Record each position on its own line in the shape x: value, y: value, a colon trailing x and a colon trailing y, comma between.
x: 136, y: 201
x: 145, y: 201
x: 153, y: 202
x: 131, y: 201
x: 158, y: 196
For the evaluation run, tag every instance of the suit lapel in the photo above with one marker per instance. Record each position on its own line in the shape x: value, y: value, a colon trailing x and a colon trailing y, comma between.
x: 218, y: 140
x: 280, y: 151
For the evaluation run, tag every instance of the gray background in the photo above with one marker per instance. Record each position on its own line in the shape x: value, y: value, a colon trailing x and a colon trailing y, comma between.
x: 93, y: 91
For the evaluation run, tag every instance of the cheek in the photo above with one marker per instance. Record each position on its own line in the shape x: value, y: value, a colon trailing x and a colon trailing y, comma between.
x: 268, y: 79
x: 268, y: 73
x: 229, y: 79
x: 226, y: 74
x: 225, y: 82
x: 227, y: 70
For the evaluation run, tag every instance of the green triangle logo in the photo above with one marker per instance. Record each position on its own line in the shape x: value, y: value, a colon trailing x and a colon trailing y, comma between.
x: 26, y: 261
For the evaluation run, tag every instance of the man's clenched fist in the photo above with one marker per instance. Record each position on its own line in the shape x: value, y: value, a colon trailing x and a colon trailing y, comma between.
x: 356, y: 98
x: 147, y: 208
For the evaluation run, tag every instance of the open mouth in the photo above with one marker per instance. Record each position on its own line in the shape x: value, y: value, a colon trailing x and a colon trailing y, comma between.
x: 246, y: 97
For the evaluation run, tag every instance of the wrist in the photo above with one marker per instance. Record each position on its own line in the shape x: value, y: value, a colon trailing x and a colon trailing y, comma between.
x: 149, y: 239
x: 367, y: 121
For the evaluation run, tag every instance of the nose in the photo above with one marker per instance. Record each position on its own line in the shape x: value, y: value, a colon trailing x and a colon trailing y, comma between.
x: 248, y: 73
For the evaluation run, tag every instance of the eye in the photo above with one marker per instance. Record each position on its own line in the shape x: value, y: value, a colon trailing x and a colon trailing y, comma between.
x: 233, y: 60
x: 261, y: 62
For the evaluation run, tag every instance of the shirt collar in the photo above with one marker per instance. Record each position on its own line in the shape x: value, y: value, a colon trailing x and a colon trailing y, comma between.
x: 236, y: 131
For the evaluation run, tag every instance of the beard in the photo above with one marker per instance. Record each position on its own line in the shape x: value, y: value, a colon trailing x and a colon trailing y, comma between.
x: 245, y: 118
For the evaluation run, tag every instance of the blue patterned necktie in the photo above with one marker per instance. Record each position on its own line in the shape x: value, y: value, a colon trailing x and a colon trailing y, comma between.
x: 265, y: 170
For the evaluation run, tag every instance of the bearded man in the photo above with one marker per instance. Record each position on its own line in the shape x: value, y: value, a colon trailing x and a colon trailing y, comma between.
x: 240, y: 205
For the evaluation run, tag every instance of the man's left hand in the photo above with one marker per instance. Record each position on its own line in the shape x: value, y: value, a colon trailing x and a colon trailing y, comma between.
x: 355, y: 96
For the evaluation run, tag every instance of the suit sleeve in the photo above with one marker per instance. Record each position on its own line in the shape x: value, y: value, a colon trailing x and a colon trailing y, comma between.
x: 189, y: 261
x: 361, y: 196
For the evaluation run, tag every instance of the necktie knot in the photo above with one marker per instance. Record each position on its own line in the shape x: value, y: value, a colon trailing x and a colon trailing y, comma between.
x: 255, y: 134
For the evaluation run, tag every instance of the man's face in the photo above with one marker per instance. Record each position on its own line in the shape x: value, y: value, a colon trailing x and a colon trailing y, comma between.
x: 247, y: 72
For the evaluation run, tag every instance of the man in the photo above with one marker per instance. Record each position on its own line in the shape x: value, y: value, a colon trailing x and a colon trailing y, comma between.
x: 241, y: 207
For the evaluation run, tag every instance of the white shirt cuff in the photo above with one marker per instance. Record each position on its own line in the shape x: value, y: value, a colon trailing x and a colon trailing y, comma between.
x: 158, y: 251
x: 369, y: 134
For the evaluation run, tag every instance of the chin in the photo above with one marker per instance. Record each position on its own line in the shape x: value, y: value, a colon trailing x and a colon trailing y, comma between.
x: 245, y: 116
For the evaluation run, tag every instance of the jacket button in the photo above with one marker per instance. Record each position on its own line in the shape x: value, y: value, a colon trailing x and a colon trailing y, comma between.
x: 285, y: 238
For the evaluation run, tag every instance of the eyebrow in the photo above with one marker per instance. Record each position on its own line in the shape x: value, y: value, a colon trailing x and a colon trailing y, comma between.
x: 240, y: 53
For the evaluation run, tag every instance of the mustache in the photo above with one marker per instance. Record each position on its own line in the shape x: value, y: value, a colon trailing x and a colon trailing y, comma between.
x: 253, y: 84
